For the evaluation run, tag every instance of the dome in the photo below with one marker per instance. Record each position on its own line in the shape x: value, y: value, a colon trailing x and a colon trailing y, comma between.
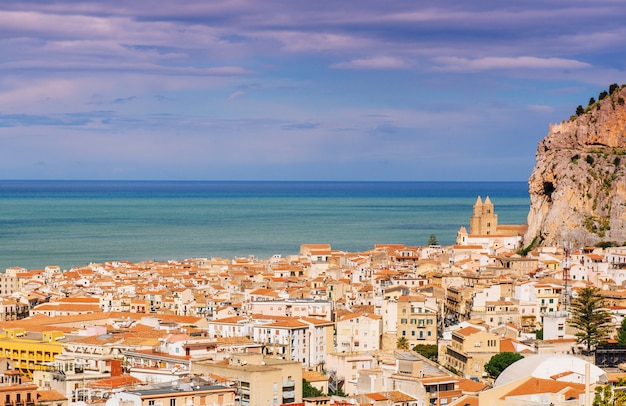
x: 560, y: 367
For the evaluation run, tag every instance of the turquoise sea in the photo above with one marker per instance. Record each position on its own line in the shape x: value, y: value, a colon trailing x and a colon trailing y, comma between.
x: 73, y: 223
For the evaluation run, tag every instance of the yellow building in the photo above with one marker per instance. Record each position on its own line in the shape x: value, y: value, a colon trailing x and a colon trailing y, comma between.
x: 470, y: 349
x: 260, y: 380
x: 417, y: 320
x: 29, y: 350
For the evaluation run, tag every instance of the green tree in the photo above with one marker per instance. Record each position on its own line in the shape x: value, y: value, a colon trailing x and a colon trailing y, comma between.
x: 429, y: 351
x: 605, y: 396
x: 602, y: 95
x: 402, y: 343
x: 592, y: 101
x: 590, y: 318
x: 621, y: 333
x: 613, y: 88
x: 338, y: 392
x: 500, y: 362
x: 432, y: 240
x: 579, y: 110
x: 310, y: 391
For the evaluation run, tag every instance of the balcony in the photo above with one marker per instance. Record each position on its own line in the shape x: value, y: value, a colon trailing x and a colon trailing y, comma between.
x: 289, y: 386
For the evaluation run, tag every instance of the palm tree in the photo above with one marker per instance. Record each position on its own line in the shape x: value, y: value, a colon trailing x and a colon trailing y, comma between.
x: 402, y: 343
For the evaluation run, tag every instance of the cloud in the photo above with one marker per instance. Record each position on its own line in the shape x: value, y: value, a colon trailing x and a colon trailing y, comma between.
x: 121, y: 100
x: 301, y: 126
x: 26, y: 120
x: 540, y: 108
x: 456, y: 64
x: 378, y: 62
x: 235, y: 95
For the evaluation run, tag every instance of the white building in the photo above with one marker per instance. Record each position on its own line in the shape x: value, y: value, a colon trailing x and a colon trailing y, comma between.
x: 359, y: 332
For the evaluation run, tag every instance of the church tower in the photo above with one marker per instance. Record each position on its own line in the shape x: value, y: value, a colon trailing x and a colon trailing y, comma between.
x: 484, y: 220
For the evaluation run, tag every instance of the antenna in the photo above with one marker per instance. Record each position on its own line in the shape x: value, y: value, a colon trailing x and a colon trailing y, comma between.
x: 566, y: 293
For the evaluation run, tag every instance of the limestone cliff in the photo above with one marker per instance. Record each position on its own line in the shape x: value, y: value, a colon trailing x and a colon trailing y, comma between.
x: 578, y: 186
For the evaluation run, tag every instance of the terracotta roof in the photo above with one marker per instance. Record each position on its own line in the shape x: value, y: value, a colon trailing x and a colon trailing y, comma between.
x: 468, y: 331
x: 537, y: 386
x: 114, y: 382
x: 465, y: 400
x: 314, y: 376
x: 49, y: 396
x: 467, y: 385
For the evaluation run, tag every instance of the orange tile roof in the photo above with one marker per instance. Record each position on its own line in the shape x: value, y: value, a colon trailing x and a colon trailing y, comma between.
x: 50, y: 396
x: 114, y: 382
x: 467, y: 331
x: 537, y: 386
x: 467, y: 385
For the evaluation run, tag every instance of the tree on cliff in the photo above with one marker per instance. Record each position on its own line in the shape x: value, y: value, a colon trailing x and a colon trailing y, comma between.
x: 613, y: 88
x: 590, y: 318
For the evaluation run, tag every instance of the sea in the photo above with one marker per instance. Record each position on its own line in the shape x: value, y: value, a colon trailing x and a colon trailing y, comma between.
x: 74, y: 223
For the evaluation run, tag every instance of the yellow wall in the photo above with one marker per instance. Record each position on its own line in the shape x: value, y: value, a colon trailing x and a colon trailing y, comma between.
x: 27, y: 353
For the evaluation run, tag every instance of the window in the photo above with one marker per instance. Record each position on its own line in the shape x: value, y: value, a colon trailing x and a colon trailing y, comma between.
x: 173, y: 402
x: 151, y: 403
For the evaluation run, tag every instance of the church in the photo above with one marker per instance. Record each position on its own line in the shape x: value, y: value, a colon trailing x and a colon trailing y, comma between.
x: 486, y: 232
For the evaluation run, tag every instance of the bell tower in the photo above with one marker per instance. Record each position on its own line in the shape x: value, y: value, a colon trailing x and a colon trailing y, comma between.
x: 483, y: 220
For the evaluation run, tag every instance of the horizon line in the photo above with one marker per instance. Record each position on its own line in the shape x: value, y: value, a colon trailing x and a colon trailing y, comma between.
x: 265, y: 180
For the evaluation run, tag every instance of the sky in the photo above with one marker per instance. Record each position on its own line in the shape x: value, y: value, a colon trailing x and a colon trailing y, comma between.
x: 296, y: 90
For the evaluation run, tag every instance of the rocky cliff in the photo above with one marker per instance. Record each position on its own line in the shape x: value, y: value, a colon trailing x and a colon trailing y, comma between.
x: 578, y: 186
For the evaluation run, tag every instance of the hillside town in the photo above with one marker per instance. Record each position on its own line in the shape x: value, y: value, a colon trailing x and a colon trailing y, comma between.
x: 319, y: 327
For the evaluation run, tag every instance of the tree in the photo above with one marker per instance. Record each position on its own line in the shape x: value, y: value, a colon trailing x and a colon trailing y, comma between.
x: 603, y: 396
x: 590, y: 318
x: 429, y: 351
x: 603, y: 95
x: 579, y: 110
x: 432, y: 240
x: 613, y: 88
x: 338, y: 392
x: 621, y: 333
x: 402, y: 343
x: 500, y: 362
x: 310, y: 391
x: 606, y: 396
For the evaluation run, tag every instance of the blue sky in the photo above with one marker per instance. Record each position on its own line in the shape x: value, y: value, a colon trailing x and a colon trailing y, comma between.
x: 296, y: 90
